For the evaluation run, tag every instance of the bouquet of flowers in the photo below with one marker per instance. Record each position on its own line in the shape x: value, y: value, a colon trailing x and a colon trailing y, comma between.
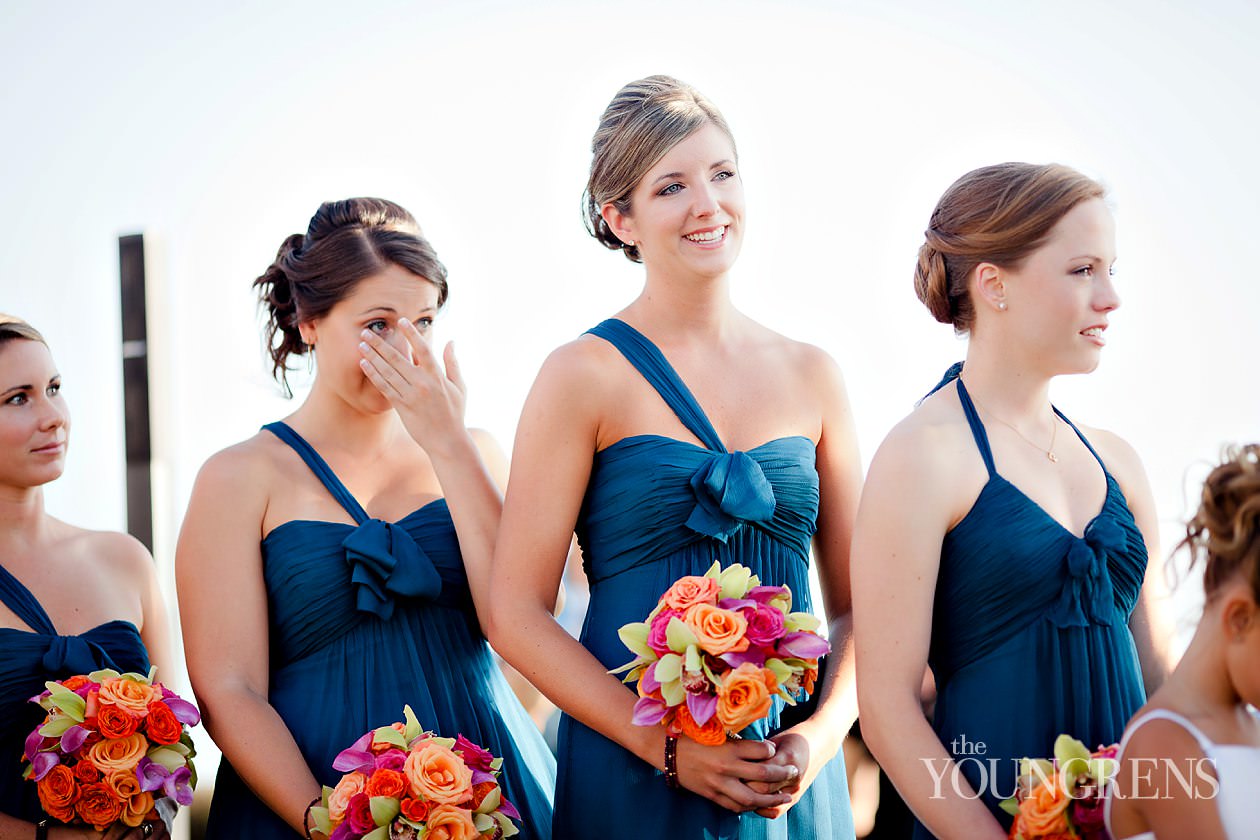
x: 715, y: 650
x: 1063, y: 798
x: 111, y: 748
x: 404, y: 783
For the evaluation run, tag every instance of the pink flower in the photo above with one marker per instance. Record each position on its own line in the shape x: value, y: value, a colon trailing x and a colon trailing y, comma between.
x: 765, y: 625
x: 391, y: 760
x: 359, y: 813
x: 656, y: 634
x: 477, y: 758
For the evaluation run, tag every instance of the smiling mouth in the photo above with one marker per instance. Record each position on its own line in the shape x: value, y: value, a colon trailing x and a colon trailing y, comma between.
x: 714, y: 235
x: 1095, y: 333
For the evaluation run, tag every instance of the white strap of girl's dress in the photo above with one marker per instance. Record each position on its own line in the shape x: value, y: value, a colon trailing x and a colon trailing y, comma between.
x: 1204, y: 742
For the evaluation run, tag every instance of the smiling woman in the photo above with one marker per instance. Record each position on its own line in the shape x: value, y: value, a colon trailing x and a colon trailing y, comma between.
x: 71, y: 601
x: 333, y: 568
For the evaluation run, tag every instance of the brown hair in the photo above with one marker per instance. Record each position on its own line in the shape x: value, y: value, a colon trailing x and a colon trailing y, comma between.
x: 646, y: 119
x: 13, y: 328
x: 996, y: 214
x: 346, y: 242
x: 1227, y: 527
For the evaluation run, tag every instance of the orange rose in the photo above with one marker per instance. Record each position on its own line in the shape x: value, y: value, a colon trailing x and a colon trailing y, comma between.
x: 339, y: 799
x: 719, y: 631
x: 416, y: 810
x: 437, y: 774
x: 114, y: 754
x: 85, y: 771
x: 690, y: 590
x: 447, y: 822
x: 386, y: 782
x: 379, y: 747
x: 138, y: 808
x: 98, y: 805
x: 75, y: 682
x: 1044, y: 811
x: 58, y: 791
x: 712, y: 732
x: 128, y: 694
x: 161, y: 725
x: 479, y: 793
x: 116, y: 722
x: 744, y: 696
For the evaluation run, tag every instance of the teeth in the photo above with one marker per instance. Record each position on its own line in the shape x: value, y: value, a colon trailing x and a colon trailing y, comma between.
x: 1093, y: 331
x: 711, y: 236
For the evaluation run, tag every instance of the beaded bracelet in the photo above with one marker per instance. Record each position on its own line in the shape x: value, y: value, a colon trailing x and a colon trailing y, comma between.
x: 671, y: 762
x: 306, y: 816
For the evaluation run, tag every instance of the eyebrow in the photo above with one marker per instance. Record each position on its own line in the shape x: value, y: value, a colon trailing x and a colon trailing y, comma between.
x: 378, y: 309
x: 669, y: 175
x: 11, y: 390
x: 1086, y: 257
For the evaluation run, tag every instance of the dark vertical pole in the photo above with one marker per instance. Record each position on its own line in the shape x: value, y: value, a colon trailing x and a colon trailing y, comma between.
x: 136, y: 389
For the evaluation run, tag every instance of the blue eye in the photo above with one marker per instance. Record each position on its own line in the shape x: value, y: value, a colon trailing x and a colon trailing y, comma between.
x: 16, y: 399
x: 377, y: 326
x: 423, y: 323
x: 54, y: 389
x: 671, y: 189
x: 1084, y: 271
x: 723, y: 175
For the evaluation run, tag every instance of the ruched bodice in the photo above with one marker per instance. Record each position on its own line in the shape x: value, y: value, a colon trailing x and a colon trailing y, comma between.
x: 31, y: 658
x: 1030, y: 634
x: 368, y: 617
x: 656, y: 509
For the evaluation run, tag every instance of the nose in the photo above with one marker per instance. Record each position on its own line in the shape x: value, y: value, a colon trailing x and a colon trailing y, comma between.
x: 1105, y: 296
x: 704, y: 201
x: 53, y: 414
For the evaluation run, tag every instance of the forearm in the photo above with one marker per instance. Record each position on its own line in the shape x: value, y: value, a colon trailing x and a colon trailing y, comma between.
x: 836, y: 709
x: 925, y: 775
x: 255, y: 739
x: 582, y: 687
x: 475, y: 506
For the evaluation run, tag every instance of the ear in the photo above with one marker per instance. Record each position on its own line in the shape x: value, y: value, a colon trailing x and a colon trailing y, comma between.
x: 307, y: 330
x: 619, y: 223
x: 1238, y: 615
x: 989, y: 287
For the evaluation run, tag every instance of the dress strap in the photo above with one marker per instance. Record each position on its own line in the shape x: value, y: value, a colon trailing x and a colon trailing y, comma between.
x: 321, y: 469
x: 649, y: 361
x: 1084, y: 439
x: 977, y: 428
x: 1205, y: 743
x: 15, y: 596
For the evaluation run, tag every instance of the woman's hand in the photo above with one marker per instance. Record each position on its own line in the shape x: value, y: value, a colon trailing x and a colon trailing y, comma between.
x: 726, y: 773
x: 804, y: 750
x: 429, y: 400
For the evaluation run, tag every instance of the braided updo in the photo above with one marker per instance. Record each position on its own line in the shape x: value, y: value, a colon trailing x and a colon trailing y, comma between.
x: 346, y: 242
x: 1226, y: 530
x: 996, y: 214
x: 646, y: 119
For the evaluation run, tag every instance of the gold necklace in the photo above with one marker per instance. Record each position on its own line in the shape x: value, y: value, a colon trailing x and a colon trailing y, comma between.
x: 1054, y: 430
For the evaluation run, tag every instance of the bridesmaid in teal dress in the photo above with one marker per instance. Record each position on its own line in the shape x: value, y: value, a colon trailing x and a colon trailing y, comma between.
x: 676, y: 434
x: 997, y: 542
x: 331, y: 568
x: 72, y: 601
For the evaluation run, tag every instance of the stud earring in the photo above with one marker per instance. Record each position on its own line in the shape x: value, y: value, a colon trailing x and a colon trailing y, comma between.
x: 1002, y: 305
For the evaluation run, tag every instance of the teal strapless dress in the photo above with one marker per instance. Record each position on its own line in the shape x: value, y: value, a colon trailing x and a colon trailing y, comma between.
x: 657, y: 509
x: 28, y: 660
x: 365, y: 619
x: 1030, y: 635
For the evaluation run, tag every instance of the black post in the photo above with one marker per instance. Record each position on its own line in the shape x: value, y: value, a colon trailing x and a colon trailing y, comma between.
x: 135, y: 361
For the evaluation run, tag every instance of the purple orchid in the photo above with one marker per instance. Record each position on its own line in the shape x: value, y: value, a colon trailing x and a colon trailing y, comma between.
x: 736, y: 658
x: 701, y: 706
x: 42, y: 763
x: 804, y: 645
x: 175, y: 784
x: 73, y: 738
x: 508, y: 809
x: 184, y: 711
x: 648, y: 711
x: 478, y: 758
x: 358, y: 756
x: 34, y: 742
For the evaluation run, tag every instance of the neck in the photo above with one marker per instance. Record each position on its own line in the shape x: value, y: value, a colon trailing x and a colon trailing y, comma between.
x: 328, y: 418
x: 1200, y: 686
x: 22, y: 518
x: 694, y: 306
x: 1016, y: 393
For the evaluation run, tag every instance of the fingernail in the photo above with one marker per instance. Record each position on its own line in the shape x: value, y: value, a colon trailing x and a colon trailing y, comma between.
x: 403, y: 322
x: 363, y: 346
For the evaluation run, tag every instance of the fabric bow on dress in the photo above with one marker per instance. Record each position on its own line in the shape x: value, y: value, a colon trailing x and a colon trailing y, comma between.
x: 730, y: 489
x: 1087, y: 596
x: 74, y: 655
x: 386, y: 562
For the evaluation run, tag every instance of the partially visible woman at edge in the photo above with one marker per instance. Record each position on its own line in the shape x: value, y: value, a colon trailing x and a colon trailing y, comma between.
x: 331, y: 568
x: 678, y: 390
x: 72, y: 601
x: 1190, y: 759
x: 998, y: 543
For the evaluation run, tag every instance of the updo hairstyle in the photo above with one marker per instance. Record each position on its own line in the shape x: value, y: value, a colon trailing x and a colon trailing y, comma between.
x: 346, y: 242
x: 1226, y: 530
x: 643, y: 122
x: 13, y: 328
x: 996, y: 214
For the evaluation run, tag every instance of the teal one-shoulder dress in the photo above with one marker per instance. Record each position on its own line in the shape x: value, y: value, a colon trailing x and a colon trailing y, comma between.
x: 365, y: 619
x: 1030, y: 635
x: 657, y: 509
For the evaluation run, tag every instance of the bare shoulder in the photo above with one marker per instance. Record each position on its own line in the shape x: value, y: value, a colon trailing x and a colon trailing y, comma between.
x: 580, y: 368
x: 247, y: 468
x: 121, y: 556
x: 1120, y: 458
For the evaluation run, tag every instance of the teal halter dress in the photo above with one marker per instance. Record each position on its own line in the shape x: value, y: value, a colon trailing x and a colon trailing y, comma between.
x: 365, y: 619
x: 656, y: 509
x: 1030, y: 635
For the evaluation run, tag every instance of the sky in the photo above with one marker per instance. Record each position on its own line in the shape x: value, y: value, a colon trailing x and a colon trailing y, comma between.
x: 217, y: 131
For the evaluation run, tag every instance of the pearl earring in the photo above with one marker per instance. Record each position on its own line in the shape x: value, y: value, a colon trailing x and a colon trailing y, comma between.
x: 1002, y: 305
